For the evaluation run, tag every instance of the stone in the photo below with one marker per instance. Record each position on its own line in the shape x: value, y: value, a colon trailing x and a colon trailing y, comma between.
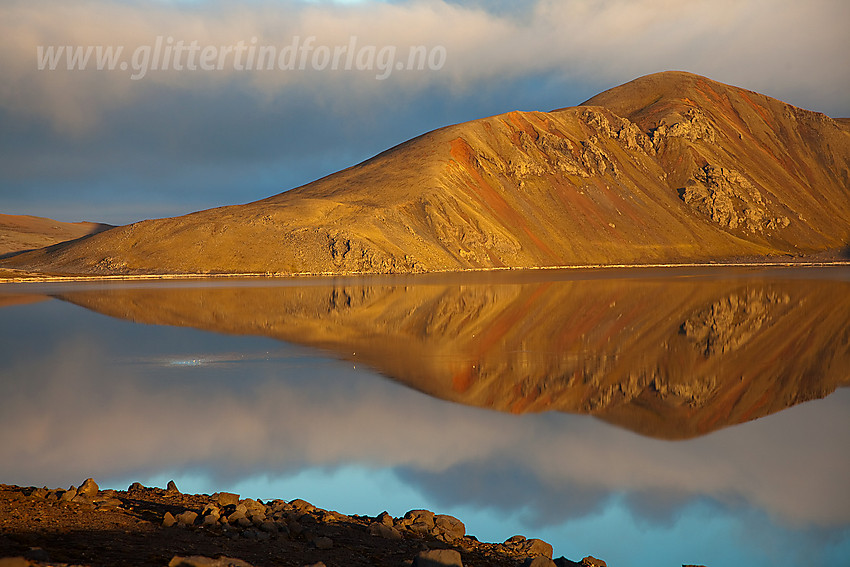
x: 235, y: 516
x: 82, y: 499
x: 268, y: 527
x: 438, y: 558
x: 538, y: 547
x: 323, y: 542
x: 295, y: 527
x: 14, y: 562
x: 251, y: 504
x: 564, y: 562
x: 539, y: 561
x: 385, y: 518
x: 171, y: 487
x: 449, y: 526
x: 302, y: 505
x: 211, y: 510
x: 68, y: 495
x: 419, y: 521
x: 244, y: 522
x: 187, y: 518
x: 319, y: 564
x: 136, y: 486
x: 168, y: 520
x: 529, y: 547
x: 255, y: 535
x: 201, y: 561
x: 227, y: 499
x: 39, y: 493
x: 88, y: 488
x: 384, y: 531
x: 37, y: 554
x: 591, y: 561
x: 210, y: 520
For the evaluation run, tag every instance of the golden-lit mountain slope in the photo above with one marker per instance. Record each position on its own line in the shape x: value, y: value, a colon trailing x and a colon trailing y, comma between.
x: 667, y: 168
x: 666, y: 354
x: 23, y: 232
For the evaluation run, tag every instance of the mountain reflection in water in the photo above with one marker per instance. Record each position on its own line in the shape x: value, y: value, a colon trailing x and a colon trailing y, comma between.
x: 671, y: 355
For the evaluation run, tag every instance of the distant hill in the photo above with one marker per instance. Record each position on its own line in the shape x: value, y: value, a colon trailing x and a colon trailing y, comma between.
x: 19, y: 233
x: 668, y: 168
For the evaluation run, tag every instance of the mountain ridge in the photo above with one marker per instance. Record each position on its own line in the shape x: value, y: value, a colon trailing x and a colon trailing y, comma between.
x: 668, y: 168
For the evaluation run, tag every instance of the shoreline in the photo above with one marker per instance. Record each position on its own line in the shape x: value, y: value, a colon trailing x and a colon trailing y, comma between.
x: 35, y: 277
x: 148, y: 526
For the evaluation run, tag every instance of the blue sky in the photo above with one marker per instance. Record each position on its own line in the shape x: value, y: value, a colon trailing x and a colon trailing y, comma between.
x: 101, y: 146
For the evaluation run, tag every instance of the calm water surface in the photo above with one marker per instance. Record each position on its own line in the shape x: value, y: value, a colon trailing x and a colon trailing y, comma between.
x: 643, y: 417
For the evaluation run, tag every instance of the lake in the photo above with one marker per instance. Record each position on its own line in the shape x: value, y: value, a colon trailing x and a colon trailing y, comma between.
x: 644, y: 416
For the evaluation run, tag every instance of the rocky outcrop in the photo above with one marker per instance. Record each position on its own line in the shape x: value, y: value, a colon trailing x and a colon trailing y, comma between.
x: 692, y: 125
x: 730, y: 200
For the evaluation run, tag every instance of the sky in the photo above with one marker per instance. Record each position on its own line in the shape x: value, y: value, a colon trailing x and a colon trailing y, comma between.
x: 336, y: 84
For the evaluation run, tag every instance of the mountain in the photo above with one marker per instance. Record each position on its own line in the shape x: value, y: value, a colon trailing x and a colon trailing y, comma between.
x: 19, y: 233
x: 671, y: 355
x: 668, y: 168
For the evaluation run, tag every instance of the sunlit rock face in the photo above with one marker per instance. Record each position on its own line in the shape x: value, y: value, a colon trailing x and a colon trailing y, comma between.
x: 668, y: 168
x: 672, y: 357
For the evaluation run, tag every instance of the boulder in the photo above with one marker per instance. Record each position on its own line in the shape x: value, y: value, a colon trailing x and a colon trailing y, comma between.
x: 384, y: 531
x: 171, y: 487
x: 88, y: 488
x: 268, y: 527
x: 539, y: 561
x: 438, y: 558
x: 591, y: 561
x: 419, y: 521
x: 68, y: 495
x: 227, y: 499
x: 252, y: 505
x: 186, y: 518
x: 323, y: 542
x: 168, y: 520
x: 302, y: 505
x: 449, y: 527
x: 529, y: 547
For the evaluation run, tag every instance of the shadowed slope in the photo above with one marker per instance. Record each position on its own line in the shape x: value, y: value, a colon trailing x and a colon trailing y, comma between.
x: 671, y: 357
x: 19, y: 233
x: 668, y: 168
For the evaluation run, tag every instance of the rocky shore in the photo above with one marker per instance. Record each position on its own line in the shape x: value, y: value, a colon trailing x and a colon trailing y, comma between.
x: 145, y: 526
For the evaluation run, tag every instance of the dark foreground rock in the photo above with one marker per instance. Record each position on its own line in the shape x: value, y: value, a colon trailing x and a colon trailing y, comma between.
x: 142, y: 526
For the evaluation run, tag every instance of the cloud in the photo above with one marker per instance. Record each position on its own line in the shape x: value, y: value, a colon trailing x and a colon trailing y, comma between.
x: 68, y: 136
x: 776, y: 46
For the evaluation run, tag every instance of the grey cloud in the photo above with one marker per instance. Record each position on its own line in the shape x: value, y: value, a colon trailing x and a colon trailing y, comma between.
x: 68, y: 136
